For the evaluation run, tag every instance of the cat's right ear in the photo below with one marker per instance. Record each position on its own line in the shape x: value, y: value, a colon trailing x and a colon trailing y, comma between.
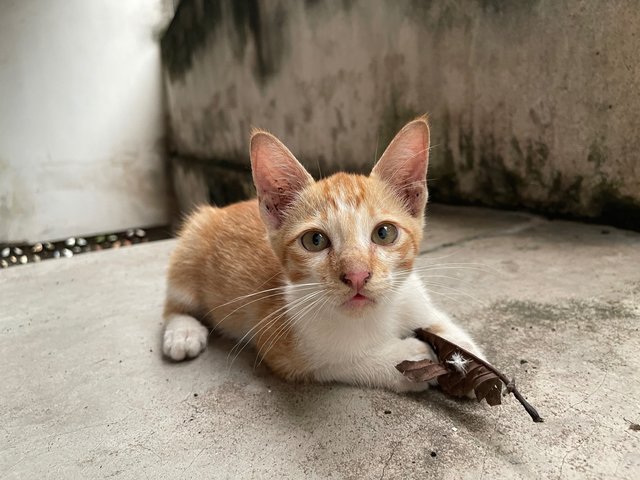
x: 277, y: 175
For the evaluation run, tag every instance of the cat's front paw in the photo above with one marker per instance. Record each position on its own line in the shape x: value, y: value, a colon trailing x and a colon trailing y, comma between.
x: 414, y: 350
x: 184, y: 337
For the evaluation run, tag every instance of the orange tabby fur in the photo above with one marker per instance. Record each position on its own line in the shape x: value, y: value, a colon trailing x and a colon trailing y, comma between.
x: 212, y: 277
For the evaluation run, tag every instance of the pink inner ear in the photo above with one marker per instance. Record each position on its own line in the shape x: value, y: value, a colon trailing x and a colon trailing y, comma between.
x: 277, y: 175
x: 403, y: 165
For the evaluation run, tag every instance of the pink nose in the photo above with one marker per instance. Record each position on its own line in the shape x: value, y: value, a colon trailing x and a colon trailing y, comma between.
x: 356, y: 280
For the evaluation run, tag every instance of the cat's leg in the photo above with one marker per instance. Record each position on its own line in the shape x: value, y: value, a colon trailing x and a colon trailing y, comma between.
x: 184, y: 336
x: 441, y: 324
x: 420, y: 312
x: 371, y: 366
x: 377, y: 366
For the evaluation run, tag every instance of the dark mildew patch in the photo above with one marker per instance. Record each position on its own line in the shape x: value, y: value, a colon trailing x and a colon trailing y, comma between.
x: 596, y: 334
x: 613, y: 321
x: 244, y: 21
x: 571, y: 309
x: 188, y: 33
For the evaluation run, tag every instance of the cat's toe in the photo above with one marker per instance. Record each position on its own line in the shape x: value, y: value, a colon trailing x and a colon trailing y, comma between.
x: 414, y: 350
x: 184, y: 337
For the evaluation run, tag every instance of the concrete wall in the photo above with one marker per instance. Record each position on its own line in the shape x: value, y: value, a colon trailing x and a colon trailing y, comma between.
x: 81, y: 117
x: 534, y: 104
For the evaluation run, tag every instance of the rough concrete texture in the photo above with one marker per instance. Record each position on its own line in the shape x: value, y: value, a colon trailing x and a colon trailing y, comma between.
x: 530, y: 101
x: 86, y: 394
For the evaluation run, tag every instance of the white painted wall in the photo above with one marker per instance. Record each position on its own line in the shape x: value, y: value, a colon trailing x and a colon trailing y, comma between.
x: 81, y: 117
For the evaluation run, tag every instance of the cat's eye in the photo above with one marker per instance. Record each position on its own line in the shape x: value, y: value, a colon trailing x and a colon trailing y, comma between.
x: 384, y: 234
x: 314, y: 241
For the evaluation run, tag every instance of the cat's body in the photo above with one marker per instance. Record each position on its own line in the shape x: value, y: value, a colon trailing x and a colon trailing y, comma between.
x: 317, y: 276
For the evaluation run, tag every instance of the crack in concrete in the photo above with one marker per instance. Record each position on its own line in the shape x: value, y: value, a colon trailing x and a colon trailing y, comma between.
x: 532, y: 223
x: 574, y: 449
x: 194, y: 459
x: 592, y: 393
x: 386, y: 463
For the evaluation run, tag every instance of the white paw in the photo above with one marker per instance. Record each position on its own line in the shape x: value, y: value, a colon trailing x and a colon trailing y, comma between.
x: 414, y: 350
x: 184, y: 337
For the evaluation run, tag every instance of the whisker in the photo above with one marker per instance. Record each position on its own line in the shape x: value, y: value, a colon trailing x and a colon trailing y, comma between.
x: 282, y: 330
x: 458, y: 264
x: 289, y: 325
x: 453, y: 290
x: 430, y: 268
x: 252, y: 302
x: 270, y: 320
x: 281, y: 288
x: 445, y: 295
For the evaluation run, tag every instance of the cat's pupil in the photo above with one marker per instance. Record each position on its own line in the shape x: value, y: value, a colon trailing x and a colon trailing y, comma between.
x: 317, y: 238
x: 383, y: 232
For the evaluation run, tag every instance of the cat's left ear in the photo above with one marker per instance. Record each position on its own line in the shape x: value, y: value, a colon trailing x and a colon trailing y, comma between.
x: 403, y: 165
x: 277, y: 175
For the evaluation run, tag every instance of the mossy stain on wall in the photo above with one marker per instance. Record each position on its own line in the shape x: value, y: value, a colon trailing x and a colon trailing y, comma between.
x: 197, y: 21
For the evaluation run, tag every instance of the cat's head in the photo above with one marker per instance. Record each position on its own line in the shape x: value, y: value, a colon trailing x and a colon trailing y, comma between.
x: 353, y: 235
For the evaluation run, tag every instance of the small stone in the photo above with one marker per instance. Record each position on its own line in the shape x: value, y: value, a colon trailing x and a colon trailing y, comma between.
x: 97, y: 247
x: 433, y: 454
x: 126, y: 243
x: 387, y: 412
x: 76, y: 249
x: 6, y: 252
x: 17, y: 251
x: 454, y: 429
x: 23, y: 259
x: 37, y: 248
x: 100, y: 238
x: 13, y: 259
x: 56, y: 254
x: 140, y: 233
x: 116, y: 244
x: 112, y: 238
x: 70, y: 242
x: 67, y: 253
x: 523, y: 361
x: 36, y: 258
x: 130, y: 233
x: 3, y: 263
x: 81, y: 242
x: 49, y: 246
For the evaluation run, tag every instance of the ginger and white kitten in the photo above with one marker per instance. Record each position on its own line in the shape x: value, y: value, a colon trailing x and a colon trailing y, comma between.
x: 317, y: 276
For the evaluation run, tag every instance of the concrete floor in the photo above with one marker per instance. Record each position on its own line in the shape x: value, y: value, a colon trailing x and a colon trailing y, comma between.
x: 84, y: 392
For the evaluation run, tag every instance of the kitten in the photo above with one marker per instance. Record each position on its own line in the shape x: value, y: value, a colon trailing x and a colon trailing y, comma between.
x: 317, y: 276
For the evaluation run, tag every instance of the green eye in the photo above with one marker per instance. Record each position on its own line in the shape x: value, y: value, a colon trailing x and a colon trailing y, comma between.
x: 384, y: 234
x: 314, y: 241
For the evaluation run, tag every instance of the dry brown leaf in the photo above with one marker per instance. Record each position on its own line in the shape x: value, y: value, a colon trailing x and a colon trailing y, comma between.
x: 421, y: 370
x: 477, y: 375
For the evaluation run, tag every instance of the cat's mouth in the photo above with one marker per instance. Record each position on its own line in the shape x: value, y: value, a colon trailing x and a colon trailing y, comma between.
x: 358, y: 301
